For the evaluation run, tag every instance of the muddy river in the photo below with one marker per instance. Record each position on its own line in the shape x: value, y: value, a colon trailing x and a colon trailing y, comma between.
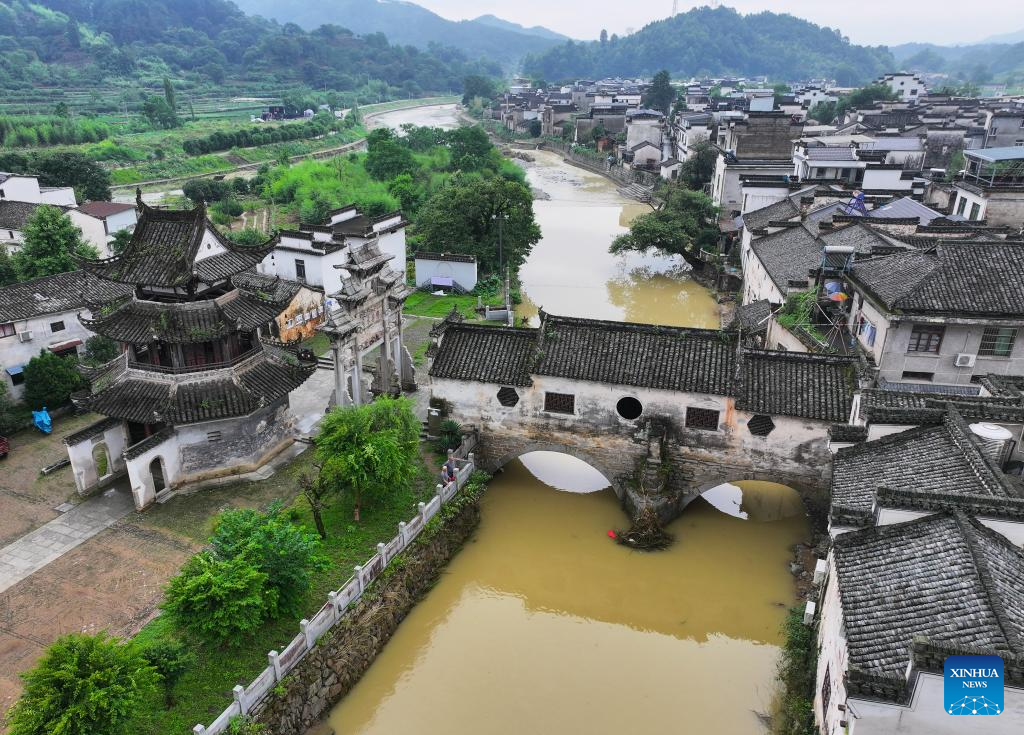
x: 542, y: 624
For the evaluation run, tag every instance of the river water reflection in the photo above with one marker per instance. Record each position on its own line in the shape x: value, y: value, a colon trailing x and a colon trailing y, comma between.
x: 542, y: 624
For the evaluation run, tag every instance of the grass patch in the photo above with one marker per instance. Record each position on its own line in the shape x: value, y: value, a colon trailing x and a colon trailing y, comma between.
x: 797, y: 672
x: 319, y: 343
x: 205, y: 688
x: 421, y: 303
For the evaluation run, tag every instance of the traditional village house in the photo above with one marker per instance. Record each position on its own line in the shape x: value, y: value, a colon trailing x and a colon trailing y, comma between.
x: 41, y: 315
x: 907, y: 86
x: 991, y: 186
x: 943, y: 314
x: 22, y: 188
x: 762, y: 144
x: 100, y: 221
x: 691, y: 129
x: 195, y: 394
x: 897, y: 600
x: 1004, y: 128
x: 452, y: 271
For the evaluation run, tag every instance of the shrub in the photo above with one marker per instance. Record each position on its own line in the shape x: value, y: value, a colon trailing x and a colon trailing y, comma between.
x: 100, y: 350
x: 218, y: 600
x: 83, y: 685
x: 50, y: 380
x: 169, y: 658
x: 285, y: 553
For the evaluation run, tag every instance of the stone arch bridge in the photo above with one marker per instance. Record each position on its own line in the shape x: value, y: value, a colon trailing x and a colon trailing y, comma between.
x: 663, y: 412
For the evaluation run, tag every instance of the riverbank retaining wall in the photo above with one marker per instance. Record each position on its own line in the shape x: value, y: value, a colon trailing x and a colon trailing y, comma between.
x: 341, y: 657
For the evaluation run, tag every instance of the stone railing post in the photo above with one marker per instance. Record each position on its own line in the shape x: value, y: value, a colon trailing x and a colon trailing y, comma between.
x: 332, y: 598
x: 199, y: 730
x: 307, y: 634
x: 404, y: 533
x: 275, y: 664
x: 239, y: 694
x: 381, y: 550
x: 422, y: 508
x: 359, y: 577
x: 440, y: 492
x: 471, y: 458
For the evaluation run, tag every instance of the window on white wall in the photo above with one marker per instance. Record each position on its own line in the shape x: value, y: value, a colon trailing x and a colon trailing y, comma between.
x: 300, y: 269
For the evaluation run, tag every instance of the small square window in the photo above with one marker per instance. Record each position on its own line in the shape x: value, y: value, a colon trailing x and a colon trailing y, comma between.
x: 57, y: 326
x: 926, y: 338
x: 560, y: 403
x: 7, y: 330
x: 300, y: 269
x: 705, y: 419
x: 213, y: 436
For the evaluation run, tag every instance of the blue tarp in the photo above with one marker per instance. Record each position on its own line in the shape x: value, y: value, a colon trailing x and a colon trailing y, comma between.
x: 42, y: 420
x: 15, y: 369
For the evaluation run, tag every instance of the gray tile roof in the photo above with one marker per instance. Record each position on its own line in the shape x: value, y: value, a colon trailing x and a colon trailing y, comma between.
x: 781, y: 210
x: 14, y: 215
x: 905, y: 207
x: 164, y: 252
x: 957, y: 277
x: 56, y: 294
x: 945, y: 578
x: 753, y: 317
x: 648, y: 356
x: 788, y: 255
x: 830, y: 153
x: 940, y: 460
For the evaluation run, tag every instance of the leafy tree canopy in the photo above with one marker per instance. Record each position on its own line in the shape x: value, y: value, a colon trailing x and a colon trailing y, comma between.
x: 51, y: 241
x: 83, y: 685
x: 684, y: 223
x: 50, y: 380
x: 660, y: 94
x: 66, y: 168
x: 481, y: 217
x: 366, y: 451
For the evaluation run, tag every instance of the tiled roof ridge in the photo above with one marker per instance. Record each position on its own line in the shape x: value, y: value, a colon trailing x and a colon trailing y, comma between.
x: 998, y: 506
x: 971, y: 530
x: 889, y: 439
x: 862, y: 535
x: 982, y: 467
x: 553, y: 320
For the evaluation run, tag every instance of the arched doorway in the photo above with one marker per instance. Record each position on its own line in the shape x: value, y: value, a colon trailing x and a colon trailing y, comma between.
x: 156, y: 470
x: 101, y: 460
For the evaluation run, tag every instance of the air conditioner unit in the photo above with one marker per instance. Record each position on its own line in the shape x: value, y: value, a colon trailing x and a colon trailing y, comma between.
x: 25, y: 336
x: 965, y: 360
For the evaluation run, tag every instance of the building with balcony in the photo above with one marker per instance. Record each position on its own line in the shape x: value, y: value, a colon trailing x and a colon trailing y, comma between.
x: 195, y: 394
x: 991, y: 186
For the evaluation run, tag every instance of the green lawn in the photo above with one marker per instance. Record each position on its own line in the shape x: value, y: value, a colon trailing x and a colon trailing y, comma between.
x: 320, y: 343
x: 421, y: 303
x: 205, y: 689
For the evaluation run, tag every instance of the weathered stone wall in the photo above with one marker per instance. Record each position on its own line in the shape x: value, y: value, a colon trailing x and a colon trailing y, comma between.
x: 795, y: 453
x: 234, y: 445
x: 344, y: 654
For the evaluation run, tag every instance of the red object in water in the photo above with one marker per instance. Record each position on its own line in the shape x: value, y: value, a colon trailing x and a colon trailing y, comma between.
x: 611, y: 534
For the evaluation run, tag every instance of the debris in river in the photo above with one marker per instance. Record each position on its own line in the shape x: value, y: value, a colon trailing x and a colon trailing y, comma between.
x: 646, y: 534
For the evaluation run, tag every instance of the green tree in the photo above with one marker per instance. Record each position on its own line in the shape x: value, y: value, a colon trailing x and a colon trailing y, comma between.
x: 169, y: 96
x: 285, y: 553
x: 68, y: 168
x: 683, y: 224
x: 367, y: 451
x: 603, y: 38
x: 471, y: 148
x: 13, y: 416
x: 51, y: 242
x: 50, y: 380
x: 83, y: 685
x: 476, y: 85
x: 100, y: 350
x: 218, y: 600
x: 387, y: 157
x: 159, y: 113
x: 697, y: 170
x: 660, y: 94
x: 8, y: 273
x: 169, y: 658
x: 120, y: 241
x: 490, y: 218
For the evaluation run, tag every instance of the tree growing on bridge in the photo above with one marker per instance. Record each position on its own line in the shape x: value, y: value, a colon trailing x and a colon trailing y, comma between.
x: 685, y: 223
x: 84, y: 685
x: 367, y: 451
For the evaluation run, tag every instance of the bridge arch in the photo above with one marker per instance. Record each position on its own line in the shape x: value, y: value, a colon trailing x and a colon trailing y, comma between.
x: 614, y: 481
x: 755, y: 499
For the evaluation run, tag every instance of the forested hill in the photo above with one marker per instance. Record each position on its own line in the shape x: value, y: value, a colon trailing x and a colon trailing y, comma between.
x: 79, y: 44
x: 406, y: 22
x: 718, y: 41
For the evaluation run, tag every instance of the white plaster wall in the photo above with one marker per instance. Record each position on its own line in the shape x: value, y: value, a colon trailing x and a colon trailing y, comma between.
x: 125, y: 220
x: 926, y: 715
x: 61, y: 197
x: 832, y: 655
x: 877, y: 318
x: 93, y: 231
x: 884, y: 179
x: 877, y: 431
x: 393, y: 243
x: 964, y: 204
x: 15, y: 352
x: 21, y: 189
x: 83, y: 467
x: 465, y: 274
x: 759, y: 197
x: 757, y: 284
x: 209, y: 245
x: 780, y: 338
x: 141, y: 479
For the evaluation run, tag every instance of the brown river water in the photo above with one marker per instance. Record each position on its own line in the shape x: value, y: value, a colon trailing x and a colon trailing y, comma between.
x: 542, y: 624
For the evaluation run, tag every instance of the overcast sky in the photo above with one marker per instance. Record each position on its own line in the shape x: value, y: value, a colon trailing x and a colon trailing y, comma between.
x: 867, y: 22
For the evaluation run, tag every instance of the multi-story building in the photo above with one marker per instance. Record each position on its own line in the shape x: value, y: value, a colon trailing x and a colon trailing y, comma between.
x: 195, y: 394
x: 991, y: 187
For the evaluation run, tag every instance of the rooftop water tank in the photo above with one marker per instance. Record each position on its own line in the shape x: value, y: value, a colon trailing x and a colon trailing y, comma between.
x: 994, y: 440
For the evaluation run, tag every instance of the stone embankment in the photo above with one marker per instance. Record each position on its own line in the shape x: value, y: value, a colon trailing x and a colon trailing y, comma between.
x: 343, y: 654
